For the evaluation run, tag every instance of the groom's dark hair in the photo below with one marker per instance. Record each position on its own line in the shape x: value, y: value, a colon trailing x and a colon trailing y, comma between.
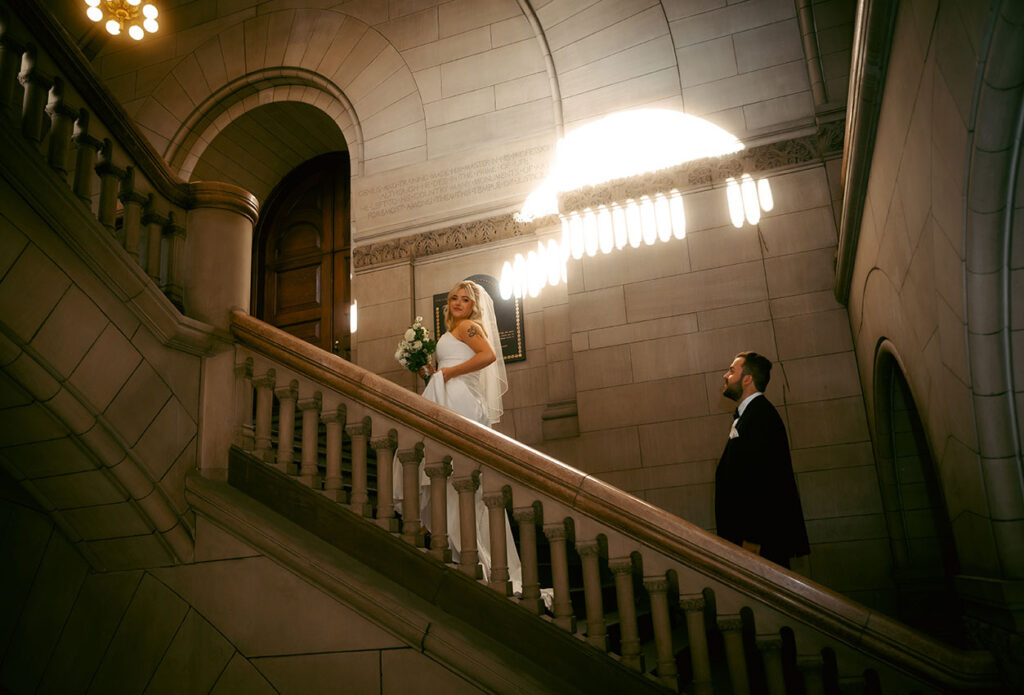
x: 758, y: 367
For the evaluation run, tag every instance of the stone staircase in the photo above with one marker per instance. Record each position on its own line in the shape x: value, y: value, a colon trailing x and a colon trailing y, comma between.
x: 642, y: 589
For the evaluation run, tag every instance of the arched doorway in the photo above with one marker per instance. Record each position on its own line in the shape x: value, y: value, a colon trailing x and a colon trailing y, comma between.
x: 303, y: 254
x: 920, y: 534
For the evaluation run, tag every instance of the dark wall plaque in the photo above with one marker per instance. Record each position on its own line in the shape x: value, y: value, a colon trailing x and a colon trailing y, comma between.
x: 508, y: 312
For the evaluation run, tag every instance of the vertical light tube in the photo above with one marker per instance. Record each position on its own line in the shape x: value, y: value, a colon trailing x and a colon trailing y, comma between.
x: 634, y: 225
x: 675, y: 203
x: 764, y: 195
x: 664, y: 217
x: 576, y: 236
x: 605, y: 235
x: 506, y: 284
x: 353, y: 317
x: 750, y: 205
x: 619, y: 225
x: 590, y: 240
x: 649, y: 220
x: 735, y: 198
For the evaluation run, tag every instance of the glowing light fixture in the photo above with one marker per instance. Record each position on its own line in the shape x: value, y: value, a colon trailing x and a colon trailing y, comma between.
x: 129, y: 16
x: 747, y: 199
x: 353, y: 317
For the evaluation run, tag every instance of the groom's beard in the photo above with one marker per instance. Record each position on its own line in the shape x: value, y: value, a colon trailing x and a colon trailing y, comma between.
x: 732, y: 391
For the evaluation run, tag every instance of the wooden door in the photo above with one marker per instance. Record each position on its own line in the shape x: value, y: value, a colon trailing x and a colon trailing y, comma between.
x: 304, y: 254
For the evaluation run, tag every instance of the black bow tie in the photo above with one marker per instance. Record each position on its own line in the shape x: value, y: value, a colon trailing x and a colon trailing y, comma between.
x: 736, y: 414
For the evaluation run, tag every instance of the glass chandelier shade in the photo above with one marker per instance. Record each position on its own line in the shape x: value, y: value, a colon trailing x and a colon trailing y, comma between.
x: 130, y: 16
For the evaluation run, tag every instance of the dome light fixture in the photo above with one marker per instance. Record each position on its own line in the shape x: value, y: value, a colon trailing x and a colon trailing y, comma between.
x: 124, y: 16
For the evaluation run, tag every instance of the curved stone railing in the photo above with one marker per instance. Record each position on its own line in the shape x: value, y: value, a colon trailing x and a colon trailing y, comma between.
x: 279, y: 375
x: 53, y: 108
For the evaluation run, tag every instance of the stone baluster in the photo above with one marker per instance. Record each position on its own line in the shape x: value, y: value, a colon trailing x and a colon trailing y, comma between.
x: 731, y: 627
x: 359, y: 433
x: 385, y: 448
x: 770, y: 647
x: 526, y: 517
x: 310, y: 409
x: 557, y: 538
x: 10, y: 63
x: 85, y: 159
x: 37, y: 89
x: 412, y: 529
x: 657, y: 589
x: 132, y: 224
x: 264, y: 414
x: 175, y: 235
x: 333, y: 421
x: 243, y: 401
x: 810, y: 668
x: 286, y: 398
x: 499, y: 579
x: 622, y: 570
x: 439, y: 472
x: 154, y: 224
x: 700, y: 661
x: 62, y: 123
x: 110, y: 183
x: 469, y: 554
x: 597, y: 633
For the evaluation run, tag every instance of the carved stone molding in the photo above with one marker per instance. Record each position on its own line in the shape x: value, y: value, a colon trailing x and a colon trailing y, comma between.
x: 826, y: 144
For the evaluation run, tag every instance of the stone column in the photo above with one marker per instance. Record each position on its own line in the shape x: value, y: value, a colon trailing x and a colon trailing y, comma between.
x: 110, y: 183
x: 597, y: 634
x: 10, y: 64
x: 527, y: 519
x: 622, y: 569
x: 132, y: 221
x: 153, y: 224
x: 700, y: 662
x: 174, y: 282
x: 469, y: 556
x: 310, y: 408
x: 359, y: 433
x: 499, y: 579
x: 412, y: 531
x: 810, y: 669
x: 243, y: 397
x: 770, y: 647
x: 37, y: 87
x: 85, y: 159
x: 439, y: 472
x: 732, y: 632
x: 333, y: 421
x: 286, y: 398
x: 657, y: 589
x: 218, y: 251
x: 557, y: 538
x: 62, y: 122
x: 385, y: 447
x: 264, y: 415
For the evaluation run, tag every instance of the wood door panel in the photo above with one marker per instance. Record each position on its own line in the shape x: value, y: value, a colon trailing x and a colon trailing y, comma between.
x: 298, y: 289
x: 303, y: 240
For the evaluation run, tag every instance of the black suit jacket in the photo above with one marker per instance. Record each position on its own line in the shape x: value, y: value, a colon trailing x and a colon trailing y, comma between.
x: 756, y: 498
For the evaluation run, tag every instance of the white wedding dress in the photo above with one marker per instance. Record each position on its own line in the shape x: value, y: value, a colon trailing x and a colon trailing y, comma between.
x: 463, y: 395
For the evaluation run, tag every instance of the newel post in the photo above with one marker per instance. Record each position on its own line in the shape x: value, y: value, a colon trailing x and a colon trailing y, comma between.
x: 218, y: 251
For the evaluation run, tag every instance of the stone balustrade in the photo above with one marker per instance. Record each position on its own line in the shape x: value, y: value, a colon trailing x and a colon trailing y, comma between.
x: 687, y: 587
x: 188, y: 238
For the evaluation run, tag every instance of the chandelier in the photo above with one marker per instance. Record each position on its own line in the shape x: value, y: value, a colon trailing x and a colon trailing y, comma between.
x: 124, y: 15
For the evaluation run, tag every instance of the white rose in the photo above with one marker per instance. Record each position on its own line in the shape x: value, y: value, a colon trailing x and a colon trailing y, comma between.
x: 398, y: 355
x: 410, y: 335
x: 419, y: 319
x: 417, y: 345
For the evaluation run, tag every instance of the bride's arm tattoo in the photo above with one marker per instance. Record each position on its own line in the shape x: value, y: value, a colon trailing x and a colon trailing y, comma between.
x: 472, y: 332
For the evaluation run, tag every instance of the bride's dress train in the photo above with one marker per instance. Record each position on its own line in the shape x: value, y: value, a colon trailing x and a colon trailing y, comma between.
x: 461, y: 394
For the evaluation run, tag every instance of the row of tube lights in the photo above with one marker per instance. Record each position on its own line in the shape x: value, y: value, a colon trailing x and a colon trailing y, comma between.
x: 646, y: 221
x: 124, y: 13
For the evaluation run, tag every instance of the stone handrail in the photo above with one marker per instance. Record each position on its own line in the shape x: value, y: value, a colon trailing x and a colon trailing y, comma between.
x: 184, y: 236
x: 670, y: 549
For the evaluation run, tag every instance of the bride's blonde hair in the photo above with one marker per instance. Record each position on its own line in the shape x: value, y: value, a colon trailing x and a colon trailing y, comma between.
x: 473, y: 290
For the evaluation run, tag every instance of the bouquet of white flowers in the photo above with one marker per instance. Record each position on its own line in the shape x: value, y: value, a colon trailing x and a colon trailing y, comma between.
x: 416, y: 347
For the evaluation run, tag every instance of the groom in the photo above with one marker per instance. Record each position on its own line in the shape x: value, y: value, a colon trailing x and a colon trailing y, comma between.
x: 756, y: 500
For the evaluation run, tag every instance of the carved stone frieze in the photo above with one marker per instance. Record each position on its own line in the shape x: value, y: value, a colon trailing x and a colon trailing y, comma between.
x: 826, y: 144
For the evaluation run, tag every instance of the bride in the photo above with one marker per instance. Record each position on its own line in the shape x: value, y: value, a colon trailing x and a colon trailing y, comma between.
x: 470, y: 379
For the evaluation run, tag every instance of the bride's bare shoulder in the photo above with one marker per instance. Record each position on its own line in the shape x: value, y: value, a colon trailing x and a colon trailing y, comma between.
x: 467, y: 330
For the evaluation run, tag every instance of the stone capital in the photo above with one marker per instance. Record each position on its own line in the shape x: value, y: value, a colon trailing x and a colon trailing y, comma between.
x: 692, y: 602
x: 438, y: 469
x: 556, y: 532
x: 329, y: 417
x: 287, y: 393
x: 728, y: 623
x: 467, y: 484
x: 620, y: 565
x: 525, y: 515
x: 656, y: 584
x: 313, y: 403
x: 588, y: 548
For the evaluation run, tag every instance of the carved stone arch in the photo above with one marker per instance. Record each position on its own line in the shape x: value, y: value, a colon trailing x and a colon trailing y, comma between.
x: 326, y: 58
x: 993, y: 168
x: 252, y: 91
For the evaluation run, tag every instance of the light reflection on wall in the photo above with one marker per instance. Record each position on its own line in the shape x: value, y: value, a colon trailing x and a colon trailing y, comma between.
x: 619, y: 146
